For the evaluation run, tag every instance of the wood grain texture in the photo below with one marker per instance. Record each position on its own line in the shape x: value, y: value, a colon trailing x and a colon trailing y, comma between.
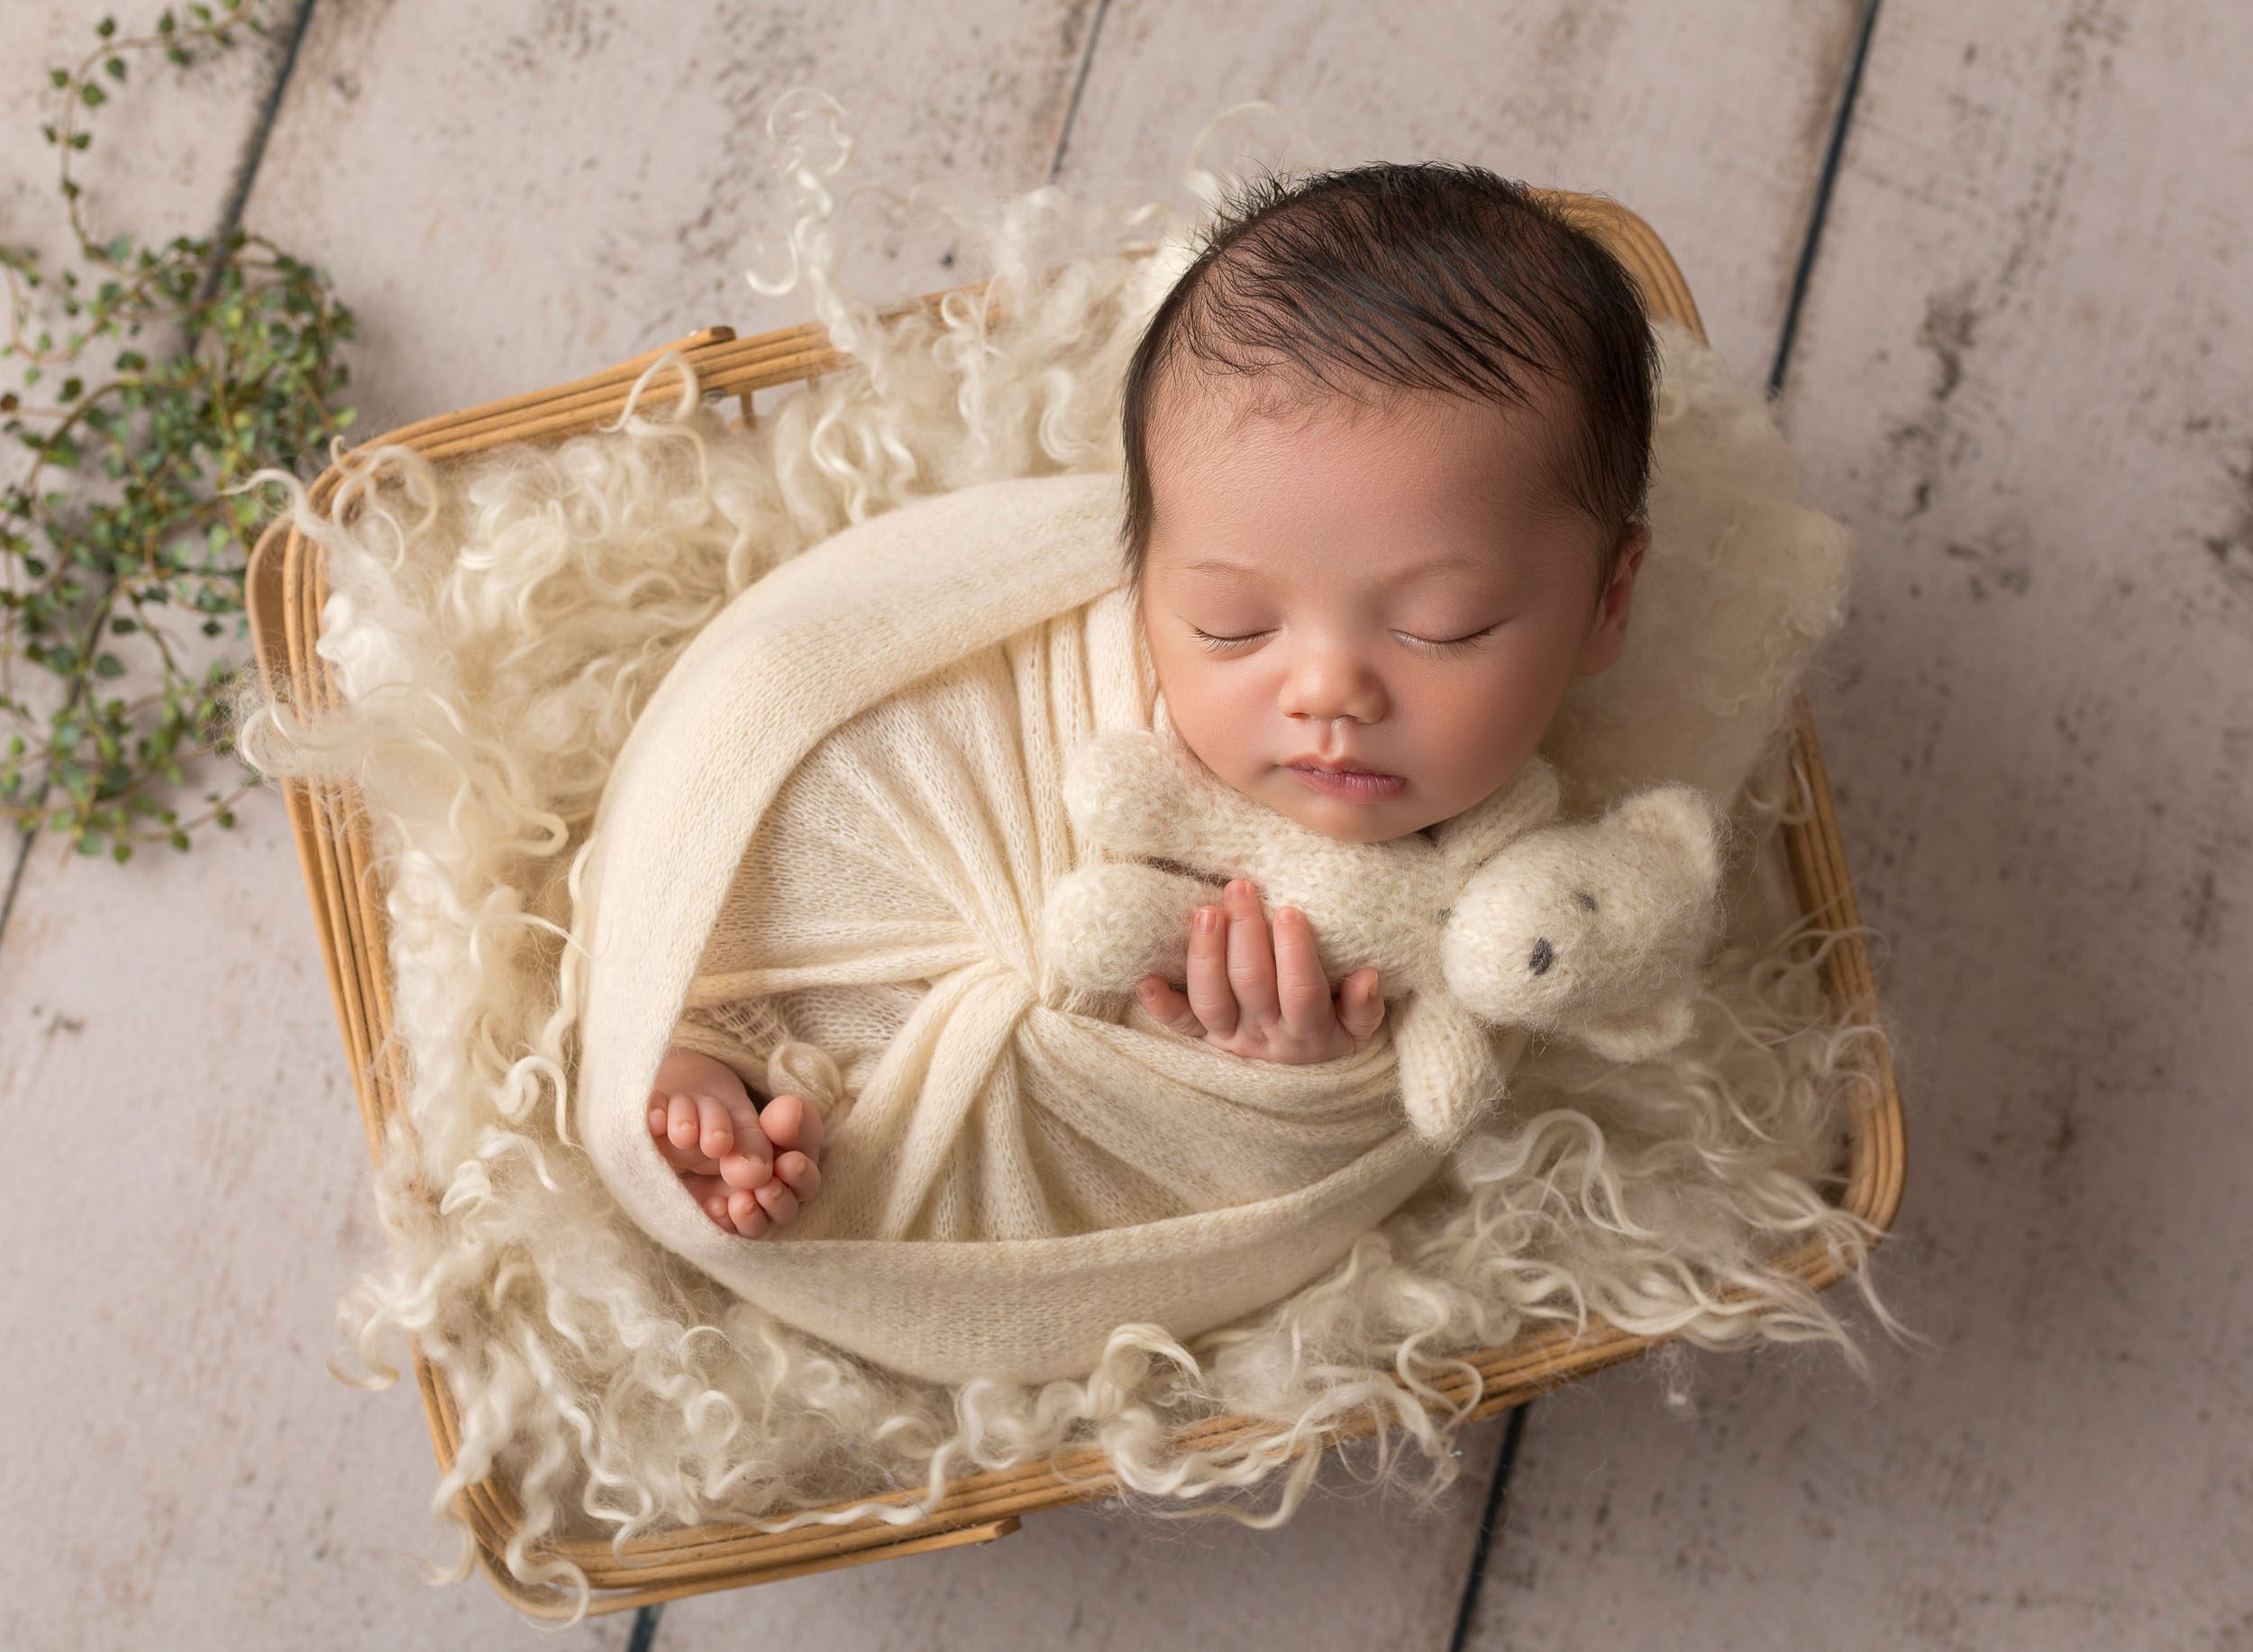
x: 1707, y: 121
x: 1350, y: 1573
x: 2023, y: 378
x: 185, y: 1198
x: 522, y: 192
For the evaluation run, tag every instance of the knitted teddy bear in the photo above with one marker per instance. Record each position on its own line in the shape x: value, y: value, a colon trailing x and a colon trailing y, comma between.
x: 1594, y: 931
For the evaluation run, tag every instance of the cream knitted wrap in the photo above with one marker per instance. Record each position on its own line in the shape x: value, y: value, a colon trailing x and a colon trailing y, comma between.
x: 1011, y: 1172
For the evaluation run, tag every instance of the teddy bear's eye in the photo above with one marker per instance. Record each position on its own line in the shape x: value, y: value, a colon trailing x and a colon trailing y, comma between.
x: 1587, y: 902
x: 1544, y: 955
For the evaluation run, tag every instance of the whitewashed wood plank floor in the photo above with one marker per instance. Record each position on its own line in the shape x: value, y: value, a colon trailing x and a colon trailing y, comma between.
x: 515, y: 194
x: 2025, y: 375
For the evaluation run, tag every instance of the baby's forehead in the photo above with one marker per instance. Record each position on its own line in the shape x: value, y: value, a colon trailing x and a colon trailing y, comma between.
x: 1201, y: 418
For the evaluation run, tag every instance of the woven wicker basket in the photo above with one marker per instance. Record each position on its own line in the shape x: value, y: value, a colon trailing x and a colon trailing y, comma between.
x: 287, y: 591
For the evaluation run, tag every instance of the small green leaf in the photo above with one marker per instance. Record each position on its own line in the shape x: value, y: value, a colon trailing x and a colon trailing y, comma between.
x: 92, y: 95
x: 164, y: 22
x: 121, y: 852
x: 114, y: 67
x: 106, y: 27
x: 58, y: 77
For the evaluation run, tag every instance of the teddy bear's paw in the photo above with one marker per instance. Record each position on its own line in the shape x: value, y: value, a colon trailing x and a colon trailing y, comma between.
x: 1450, y: 1074
x: 1104, y: 927
x: 1626, y: 1037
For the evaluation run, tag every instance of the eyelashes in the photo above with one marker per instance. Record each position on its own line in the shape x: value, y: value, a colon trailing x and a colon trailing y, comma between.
x: 1213, y: 645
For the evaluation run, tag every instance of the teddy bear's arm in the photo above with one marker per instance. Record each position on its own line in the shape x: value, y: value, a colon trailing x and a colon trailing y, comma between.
x: 1105, y: 927
x: 1451, y: 1071
x: 1140, y: 793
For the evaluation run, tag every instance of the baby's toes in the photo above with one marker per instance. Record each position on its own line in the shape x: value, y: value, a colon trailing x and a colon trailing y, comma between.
x: 750, y: 1163
x: 800, y: 1174
x: 747, y: 1215
x: 681, y: 1123
x: 711, y: 1195
x: 660, y: 1130
x: 716, y: 1131
x: 789, y: 1121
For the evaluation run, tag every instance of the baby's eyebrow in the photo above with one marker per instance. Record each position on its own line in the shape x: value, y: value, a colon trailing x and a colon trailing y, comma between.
x: 1436, y: 564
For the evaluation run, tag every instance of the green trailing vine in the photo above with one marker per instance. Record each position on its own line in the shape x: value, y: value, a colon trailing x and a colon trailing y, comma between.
x: 126, y: 524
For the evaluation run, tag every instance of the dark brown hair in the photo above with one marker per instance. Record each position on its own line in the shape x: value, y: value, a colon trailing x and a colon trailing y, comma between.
x: 1436, y: 277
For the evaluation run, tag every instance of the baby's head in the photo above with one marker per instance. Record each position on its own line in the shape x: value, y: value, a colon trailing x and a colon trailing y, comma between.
x: 1388, y: 443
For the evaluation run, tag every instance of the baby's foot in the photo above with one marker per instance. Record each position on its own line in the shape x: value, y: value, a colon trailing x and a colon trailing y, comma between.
x: 749, y: 1168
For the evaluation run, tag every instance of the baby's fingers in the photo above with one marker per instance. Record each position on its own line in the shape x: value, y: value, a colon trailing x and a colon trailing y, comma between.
x: 1360, y: 1008
x: 1169, y: 1008
x: 1302, y: 992
x: 1211, y: 997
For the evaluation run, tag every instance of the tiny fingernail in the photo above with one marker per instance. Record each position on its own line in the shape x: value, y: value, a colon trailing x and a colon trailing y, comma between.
x: 1204, y: 918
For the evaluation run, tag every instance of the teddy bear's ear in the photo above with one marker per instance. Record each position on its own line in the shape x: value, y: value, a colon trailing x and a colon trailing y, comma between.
x: 1682, y: 816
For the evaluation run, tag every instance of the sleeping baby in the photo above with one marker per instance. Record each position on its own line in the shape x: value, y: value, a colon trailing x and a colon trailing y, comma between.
x: 1387, y: 445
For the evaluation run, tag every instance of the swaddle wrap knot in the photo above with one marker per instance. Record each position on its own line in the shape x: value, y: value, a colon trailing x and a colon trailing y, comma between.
x: 1594, y: 931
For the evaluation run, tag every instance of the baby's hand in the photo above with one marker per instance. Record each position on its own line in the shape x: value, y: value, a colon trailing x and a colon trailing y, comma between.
x: 1250, y: 999
x: 749, y: 1168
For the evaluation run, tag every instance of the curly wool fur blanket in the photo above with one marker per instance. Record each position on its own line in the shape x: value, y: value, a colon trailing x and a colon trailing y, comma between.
x: 500, y: 625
